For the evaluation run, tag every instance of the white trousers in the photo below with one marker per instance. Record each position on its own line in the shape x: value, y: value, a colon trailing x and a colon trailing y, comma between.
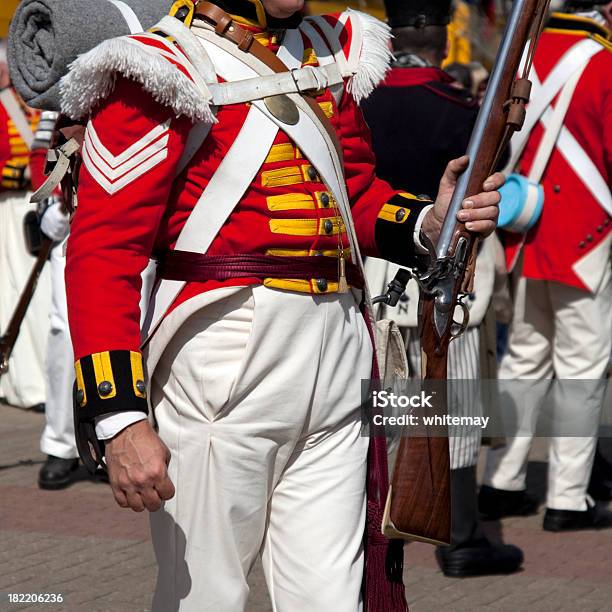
x: 24, y: 384
x: 258, y: 398
x: 58, y: 435
x: 464, y: 398
x: 566, y: 333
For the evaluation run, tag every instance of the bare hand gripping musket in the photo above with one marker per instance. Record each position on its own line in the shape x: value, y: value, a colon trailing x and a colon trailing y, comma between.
x: 418, y: 503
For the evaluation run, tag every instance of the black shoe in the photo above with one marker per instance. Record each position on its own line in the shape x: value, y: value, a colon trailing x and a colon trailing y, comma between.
x: 600, y: 484
x: 497, y: 503
x: 40, y: 408
x: 57, y: 473
x: 479, y: 558
x: 572, y: 520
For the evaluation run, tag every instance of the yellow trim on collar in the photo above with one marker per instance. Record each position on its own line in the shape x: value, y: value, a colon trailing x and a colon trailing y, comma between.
x: 581, y: 19
x: 179, y: 4
x: 604, y: 42
x: 261, y: 21
x: 580, y: 33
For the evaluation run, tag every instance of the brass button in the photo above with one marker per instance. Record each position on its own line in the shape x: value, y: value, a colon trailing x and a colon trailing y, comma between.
x: 557, y: 188
x: 400, y: 214
x: 589, y: 238
x: 321, y: 284
x: 582, y: 244
x: 140, y: 385
x: 607, y: 222
x: 328, y: 226
x: 80, y: 396
x: 105, y: 388
x: 325, y: 199
x: 600, y: 228
x: 312, y: 173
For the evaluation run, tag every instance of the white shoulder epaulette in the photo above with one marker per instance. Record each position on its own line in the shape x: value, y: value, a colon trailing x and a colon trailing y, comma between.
x: 360, y: 45
x: 167, y: 61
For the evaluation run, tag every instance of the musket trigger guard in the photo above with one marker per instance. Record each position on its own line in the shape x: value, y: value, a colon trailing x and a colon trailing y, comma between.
x: 464, y: 322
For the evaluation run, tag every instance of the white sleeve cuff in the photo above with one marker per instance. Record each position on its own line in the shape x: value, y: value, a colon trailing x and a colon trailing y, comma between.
x: 417, y: 231
x: 55, y: 223
x: 109, y: 425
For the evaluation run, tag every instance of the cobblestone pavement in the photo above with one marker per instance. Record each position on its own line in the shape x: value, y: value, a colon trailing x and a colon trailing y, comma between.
x: 78, y: 543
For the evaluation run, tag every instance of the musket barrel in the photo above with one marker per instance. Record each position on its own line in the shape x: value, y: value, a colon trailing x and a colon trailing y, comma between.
x: 480, y: 127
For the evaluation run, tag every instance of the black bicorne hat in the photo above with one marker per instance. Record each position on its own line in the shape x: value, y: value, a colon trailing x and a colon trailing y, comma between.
x: 418, y: 13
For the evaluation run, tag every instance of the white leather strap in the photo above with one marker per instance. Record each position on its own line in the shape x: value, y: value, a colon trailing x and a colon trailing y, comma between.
x: 129, y: 15
x: 308, y: 134
x: 62, y: 164
x: 324, y: 57
x: 580, y: 162
x: 547, y: 144
x: 543, y: 94
x: 298, y: 80
x: 18, y: 117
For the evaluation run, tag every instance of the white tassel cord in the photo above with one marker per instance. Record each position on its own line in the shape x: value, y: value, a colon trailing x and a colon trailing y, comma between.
x: 374, y: 58
x: 91, y: 78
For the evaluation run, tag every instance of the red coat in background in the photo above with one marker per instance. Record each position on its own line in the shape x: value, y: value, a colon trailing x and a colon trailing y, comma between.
x: 14, y: 153
x: 568, y: 244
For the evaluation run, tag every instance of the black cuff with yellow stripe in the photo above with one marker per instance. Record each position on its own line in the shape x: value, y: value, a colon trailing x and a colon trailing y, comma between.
x: 394, y: 231
x: 112, y: 381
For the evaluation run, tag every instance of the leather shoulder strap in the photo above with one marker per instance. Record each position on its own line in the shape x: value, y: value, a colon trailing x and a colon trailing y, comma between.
x: 226, y: 27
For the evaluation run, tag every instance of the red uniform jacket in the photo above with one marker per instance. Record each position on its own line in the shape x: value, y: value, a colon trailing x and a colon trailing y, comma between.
x: 573, y: 223
x: 131, y: 206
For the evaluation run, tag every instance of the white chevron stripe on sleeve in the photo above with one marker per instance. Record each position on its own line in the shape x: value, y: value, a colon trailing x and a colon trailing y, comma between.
x: 113, y: 173
x: 112, y: 187
x: 116, y: 160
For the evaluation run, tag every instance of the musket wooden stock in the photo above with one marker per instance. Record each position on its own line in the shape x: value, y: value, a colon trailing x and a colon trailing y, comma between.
x: 418, y: 503
x: 8, y: 339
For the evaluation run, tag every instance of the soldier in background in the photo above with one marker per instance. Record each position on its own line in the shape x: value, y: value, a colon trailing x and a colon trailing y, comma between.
x: 23, y: 385
x: 562, y: 324
x: 57, y: 440
x: 420, y: 120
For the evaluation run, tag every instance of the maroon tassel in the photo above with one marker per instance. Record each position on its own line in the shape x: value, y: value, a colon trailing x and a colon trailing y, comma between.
x: 384, y: 588
x: 384, y: 559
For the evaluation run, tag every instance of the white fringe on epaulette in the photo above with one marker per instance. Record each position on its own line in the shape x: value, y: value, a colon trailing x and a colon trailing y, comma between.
x: 91, y: 78
x: 375, y: 56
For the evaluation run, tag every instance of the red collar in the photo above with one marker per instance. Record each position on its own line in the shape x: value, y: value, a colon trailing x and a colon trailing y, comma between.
x: 409, y: 77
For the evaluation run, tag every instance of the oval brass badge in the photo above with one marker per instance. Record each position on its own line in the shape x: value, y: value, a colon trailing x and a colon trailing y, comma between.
x: 283, y: 108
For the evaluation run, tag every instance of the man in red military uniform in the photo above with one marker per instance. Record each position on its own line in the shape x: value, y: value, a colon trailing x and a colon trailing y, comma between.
x: 23, y: 384
x: 254, y: 188
x: 562, y: 322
